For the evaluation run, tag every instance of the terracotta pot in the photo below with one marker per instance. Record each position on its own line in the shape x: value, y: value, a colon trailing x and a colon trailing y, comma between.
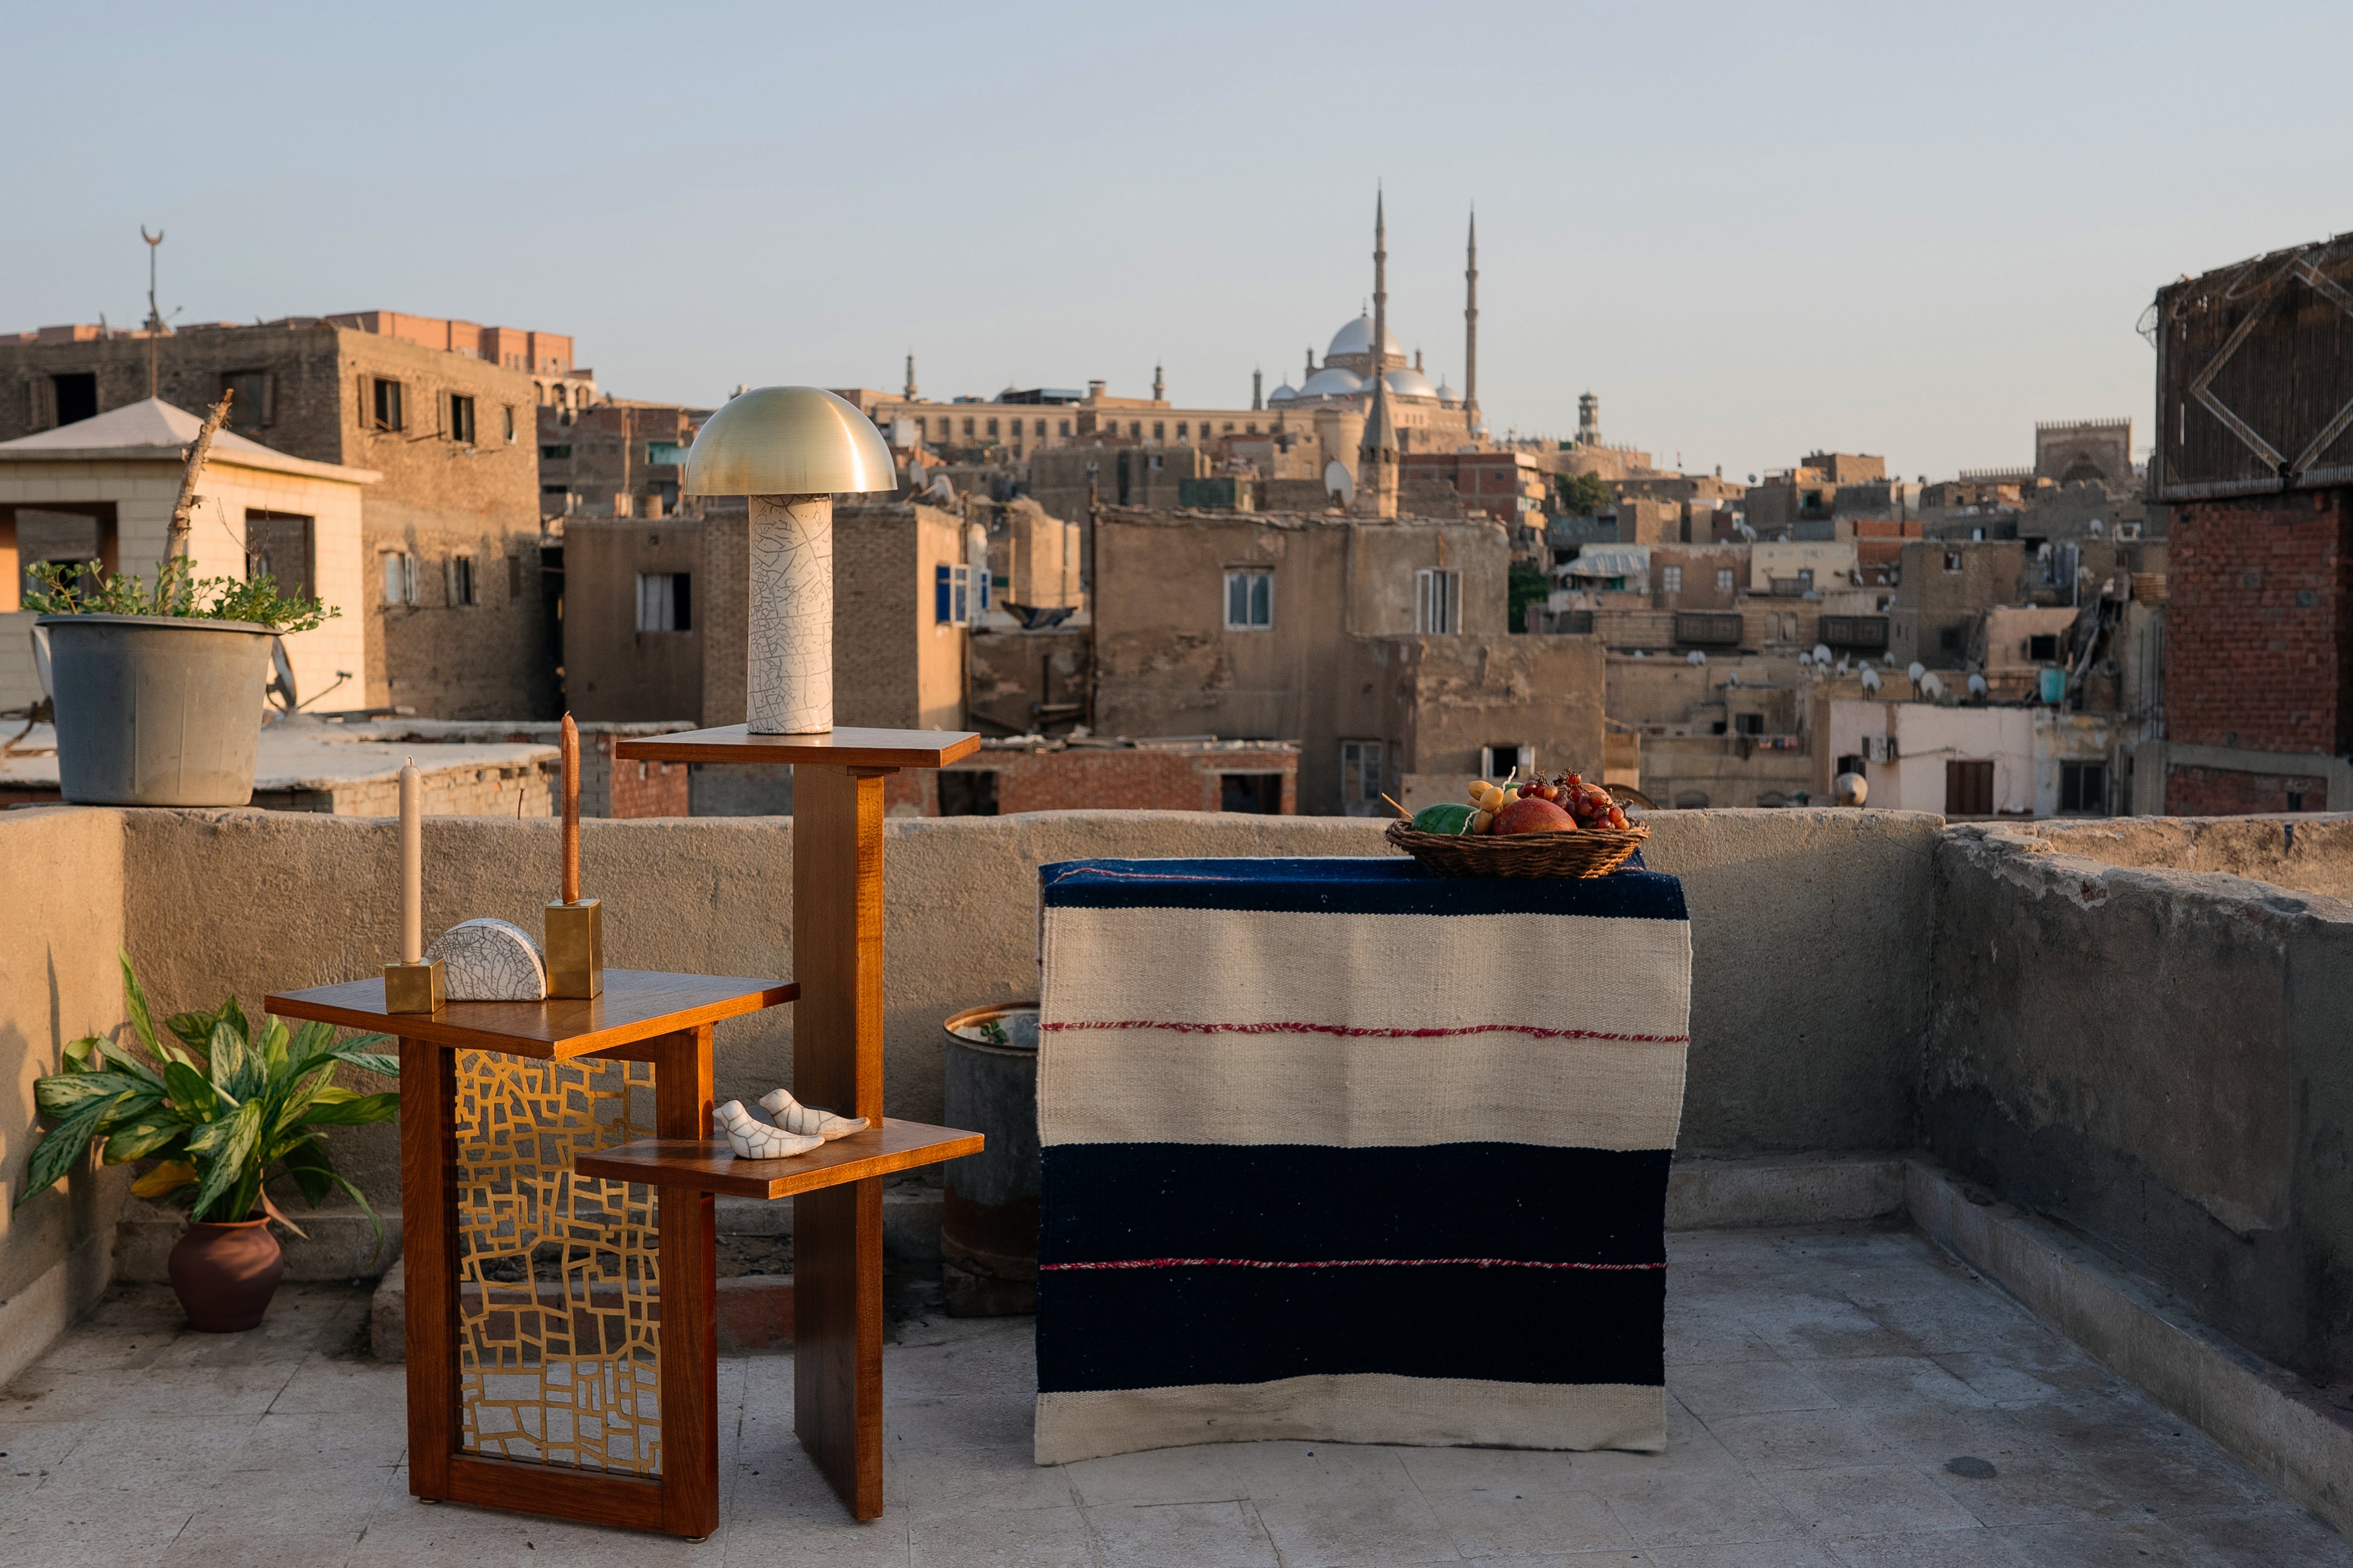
x: 225, y: 1274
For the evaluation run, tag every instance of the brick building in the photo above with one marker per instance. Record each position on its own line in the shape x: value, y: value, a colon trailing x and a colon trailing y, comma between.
x: 2254, y: 457
x: 455, y: 622
x: 1023, y: 773
x: 619, y: 458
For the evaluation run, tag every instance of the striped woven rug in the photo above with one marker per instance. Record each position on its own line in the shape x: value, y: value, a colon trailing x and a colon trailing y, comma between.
x: 1338, y: 1150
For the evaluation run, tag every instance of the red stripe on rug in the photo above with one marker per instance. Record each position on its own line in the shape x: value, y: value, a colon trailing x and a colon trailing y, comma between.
x: 1343, y: 1263
x: 1352, y: 1031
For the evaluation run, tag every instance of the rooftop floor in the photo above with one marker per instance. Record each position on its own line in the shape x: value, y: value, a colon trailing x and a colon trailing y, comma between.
x: 1839, y: 1398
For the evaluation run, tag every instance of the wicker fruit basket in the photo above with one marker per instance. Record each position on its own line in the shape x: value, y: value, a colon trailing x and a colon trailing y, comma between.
x: 1592, y: 852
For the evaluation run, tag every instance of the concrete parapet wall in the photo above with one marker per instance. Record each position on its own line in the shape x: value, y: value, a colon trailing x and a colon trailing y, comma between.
x: 2307, y: 851
x: 2155, y: 1057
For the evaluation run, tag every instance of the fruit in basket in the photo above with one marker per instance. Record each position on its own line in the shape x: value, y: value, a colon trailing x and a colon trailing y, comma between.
x: 1533, y: 814
x: 1446, y: 817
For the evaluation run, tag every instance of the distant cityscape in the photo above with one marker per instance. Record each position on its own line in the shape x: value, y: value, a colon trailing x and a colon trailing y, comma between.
x: 1350, y: 592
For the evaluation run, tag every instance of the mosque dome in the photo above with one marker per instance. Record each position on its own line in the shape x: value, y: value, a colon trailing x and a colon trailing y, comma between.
x: 1286, y: 392
x: 1356, y: 338
x: 1407, y: 381
x: 1333, y: 382
x: 1448, y: 395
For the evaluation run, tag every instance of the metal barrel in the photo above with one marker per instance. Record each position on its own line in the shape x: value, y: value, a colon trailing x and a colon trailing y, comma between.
x: 988, y: 1225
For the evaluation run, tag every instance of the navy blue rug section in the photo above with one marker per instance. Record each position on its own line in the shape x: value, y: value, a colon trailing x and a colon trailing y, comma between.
x: 1301, y: 1201
x: 1175, y: 1327
x: 1380, y: 885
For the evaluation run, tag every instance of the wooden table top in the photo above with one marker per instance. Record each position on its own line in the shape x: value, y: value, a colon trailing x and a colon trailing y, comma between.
x: 707, y: 1165
x: 845, y: 747
x: 637, y: 1004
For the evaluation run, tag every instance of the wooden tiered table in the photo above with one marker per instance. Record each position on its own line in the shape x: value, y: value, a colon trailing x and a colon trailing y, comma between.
x: 837, y: 1063
x: 597, y: 1399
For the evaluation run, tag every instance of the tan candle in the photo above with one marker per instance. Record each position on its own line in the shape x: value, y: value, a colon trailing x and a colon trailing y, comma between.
x: 571, y: 890
x: 412, y: 864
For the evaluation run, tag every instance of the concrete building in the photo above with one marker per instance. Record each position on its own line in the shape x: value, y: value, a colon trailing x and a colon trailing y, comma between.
x: 1943, y: 587
x: 617, y: 457
x: 102, y: 490
x: 455, y: 622
x: 1965, y: 760
x: 1809, y: 491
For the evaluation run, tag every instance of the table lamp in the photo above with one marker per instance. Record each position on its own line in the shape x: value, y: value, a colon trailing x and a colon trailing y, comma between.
x: 789, y: 449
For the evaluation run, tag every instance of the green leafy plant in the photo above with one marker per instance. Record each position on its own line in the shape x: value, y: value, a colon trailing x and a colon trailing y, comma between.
x: 67, y: 589
x: 1582, y: 495
x: 222, y: 1107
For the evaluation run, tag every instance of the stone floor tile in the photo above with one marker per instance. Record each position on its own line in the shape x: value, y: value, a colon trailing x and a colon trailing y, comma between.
x: 1366, y: 1514
x: 1492, y: 1521
x: 2171, y: 1466
x: 1708, y: 1330
x: 30, y: 1451
x: 1802, y: 1327
x: 44, y: 1393
x: 1963, y: 1319
x: 2007, y: 1377
x: 1863, y: 1382
x: 1865, y: 1500
x: 1748, y: 1554
x: 838, y: 1543
x: 2271, y: 1535
x: 371, y: 1435
x: 1204, y: 1473
x: 2034, y: 1485
x: 1800, y: 1439
x: 1730, y: 1509
x: 1182, y: 1535
x: 927, y: 1483
x: 1034, y: 1538
x: 2142, y: 1545
x: 408, y: 1534
x: 1746, y: 1388
x: 93, y: 1535
x: 323, y: 1387
x: 1937, y: 1549
x: 962, y: 1421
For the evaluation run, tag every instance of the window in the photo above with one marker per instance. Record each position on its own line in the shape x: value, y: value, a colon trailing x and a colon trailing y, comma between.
x: 1724, y: 579
x: 1748, y: 723
x: 461, y: 580
x: 1249, y: 601
x: 1041, y: 429
x: 278, y: 546
x: 1258, y: 793
x: 384, y: 405
x: 1135, y: 429
x: 1361, y: 776
x: 514, y: 578
x: 665, y: 602
x: 1181, y: 429
x: 1253, y: 428
x: 399, y: 578
x: 2042, y: 649
x: 1436, y: 601
x: 461, y: 420
x: 555, y: 453
x: 1805, y: 579
x: 1671, y: 579
x: 1969, y: 788
x: 77, y: 395
x: 2083, y: 787
x: 1159, y: 430
x: 248, y: 398
x: 967, y: 426
x: 1849, y: 763
x: 1504, y: 757
x: 950, y: 595
x: 992, y: 427
x: 507, y: 413
x: 659, y: 453
x: 1065, y: 426
x: 1952, y: 560
x: 968, y: 792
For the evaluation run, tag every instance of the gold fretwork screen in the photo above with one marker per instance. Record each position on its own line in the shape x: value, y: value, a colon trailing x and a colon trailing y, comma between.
x: 558, y: 1286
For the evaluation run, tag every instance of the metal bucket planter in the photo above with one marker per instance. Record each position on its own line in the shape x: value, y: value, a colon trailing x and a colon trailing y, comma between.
x: 156, y: 710
x: 989, y: 1223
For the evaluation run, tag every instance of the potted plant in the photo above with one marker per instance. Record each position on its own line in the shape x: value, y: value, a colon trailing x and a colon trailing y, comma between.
x: 157, y: 687
x: 223, y: 1108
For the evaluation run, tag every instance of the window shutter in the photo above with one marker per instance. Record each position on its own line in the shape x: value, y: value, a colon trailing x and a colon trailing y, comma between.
x: 942, y: 600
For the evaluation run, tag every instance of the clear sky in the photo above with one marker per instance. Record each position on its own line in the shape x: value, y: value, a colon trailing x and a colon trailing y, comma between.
x: 1752, y: 230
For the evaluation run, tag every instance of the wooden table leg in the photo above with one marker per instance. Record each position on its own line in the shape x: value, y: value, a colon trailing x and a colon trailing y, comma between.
x: 428, y: 1253
x: 689, y: 1305
x: 837, y: 1063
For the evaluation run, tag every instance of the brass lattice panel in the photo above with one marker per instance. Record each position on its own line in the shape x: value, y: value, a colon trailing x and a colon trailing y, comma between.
x: 558, y: 1278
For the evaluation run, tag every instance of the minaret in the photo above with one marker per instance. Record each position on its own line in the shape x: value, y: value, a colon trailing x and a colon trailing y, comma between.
x: 1258, y: 390
x: 1377, y: 457
x: 911, y: 393
x: 1159, y: 388
x: 1311, y: 365
x: 1471, y: 334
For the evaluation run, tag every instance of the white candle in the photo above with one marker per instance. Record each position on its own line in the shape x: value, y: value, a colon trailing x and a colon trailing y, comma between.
x: 412, y: 864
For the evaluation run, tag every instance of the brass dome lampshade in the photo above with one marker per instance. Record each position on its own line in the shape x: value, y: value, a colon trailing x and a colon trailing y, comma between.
x: 790, y: 449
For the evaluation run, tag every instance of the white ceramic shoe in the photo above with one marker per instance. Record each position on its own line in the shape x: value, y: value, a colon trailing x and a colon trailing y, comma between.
x: 795, y: 1117
x: 753, y: 1138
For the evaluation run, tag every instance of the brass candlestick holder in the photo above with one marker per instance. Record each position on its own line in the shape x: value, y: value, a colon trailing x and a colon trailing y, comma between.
x: 415, y: 983
x: 414, y: 987
x: 575, y: 926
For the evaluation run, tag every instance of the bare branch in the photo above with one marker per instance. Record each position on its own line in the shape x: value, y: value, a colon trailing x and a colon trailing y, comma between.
x: 183, y: 508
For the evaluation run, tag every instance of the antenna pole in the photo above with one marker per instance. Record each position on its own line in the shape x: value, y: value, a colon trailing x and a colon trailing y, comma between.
x: 154, y: 312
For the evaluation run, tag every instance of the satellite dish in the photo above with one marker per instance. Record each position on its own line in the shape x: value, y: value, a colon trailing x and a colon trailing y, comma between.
x: 1696, y: 657
x: 1338, y: 481
x: 1870, y: 679
x: 1822, y: 653
x: 1977, y: 687
x: 1888, y: 659
x: 1805, y: 661
x: 1732, y: 677
x: 281, y: 683
x: 1851, y: 789
x: 1915, y: 669
x: 1932, y: 688
x: 41, y: 662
